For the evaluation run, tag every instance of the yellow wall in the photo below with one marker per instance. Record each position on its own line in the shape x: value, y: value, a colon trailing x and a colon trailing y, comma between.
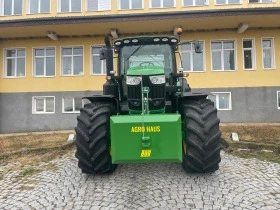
x: 208, y: 79
x: 115, y: 8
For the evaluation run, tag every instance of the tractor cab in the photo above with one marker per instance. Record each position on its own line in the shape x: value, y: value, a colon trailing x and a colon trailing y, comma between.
x: 150, y: 62
x: 146, y: 55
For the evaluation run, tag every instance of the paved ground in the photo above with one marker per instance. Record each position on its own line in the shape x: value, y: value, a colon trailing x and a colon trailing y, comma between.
x: 239, y: 184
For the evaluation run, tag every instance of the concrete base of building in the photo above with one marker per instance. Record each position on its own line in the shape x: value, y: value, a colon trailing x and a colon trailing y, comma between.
x: 16, y: 112
x: 249, y: 105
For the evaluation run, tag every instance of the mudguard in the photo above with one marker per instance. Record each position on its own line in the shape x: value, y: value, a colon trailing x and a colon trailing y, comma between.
x: 190, y: 96
x: 104, y: 98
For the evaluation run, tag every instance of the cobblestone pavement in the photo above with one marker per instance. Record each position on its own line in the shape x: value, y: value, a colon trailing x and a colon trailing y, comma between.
x: 239, y: 184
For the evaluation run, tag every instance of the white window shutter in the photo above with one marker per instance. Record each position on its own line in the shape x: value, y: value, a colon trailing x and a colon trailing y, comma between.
x: 104, y: 5
x: 92, y: 5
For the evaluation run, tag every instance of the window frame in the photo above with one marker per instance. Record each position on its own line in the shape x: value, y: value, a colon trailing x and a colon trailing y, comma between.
x: 59, y: 7
x: 110, y: 8
x: 261, y: 2
x: 240, y: 2
x: 34, y: 60
x: 2, y: 9
x: 130, y: 6
x: 204, y: 57
x: 194, y: 5
x: 61, y: 62
x: 235, y: 55
x: 278, y: 99
x: 45, y: 104
x: 103, y: 62
x: 217, y: 100
x: 273, y: 66
x: 5, y: 63
x: 39, y: 8
x: 161, y: 3
x: 73, y: 104
x: 254, y: 59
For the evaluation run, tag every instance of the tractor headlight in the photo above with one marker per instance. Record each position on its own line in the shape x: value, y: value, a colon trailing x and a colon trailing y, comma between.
x: 133, y: 80
x: 160, y: 79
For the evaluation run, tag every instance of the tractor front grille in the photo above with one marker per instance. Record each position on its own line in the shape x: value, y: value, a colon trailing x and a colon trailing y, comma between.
x: 156, y: 95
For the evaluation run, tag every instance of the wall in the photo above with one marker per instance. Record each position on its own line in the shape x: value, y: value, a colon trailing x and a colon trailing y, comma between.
x: 249, y: 105
x: 253, y: 92
x: 207, y: 79
x: 16, y: 112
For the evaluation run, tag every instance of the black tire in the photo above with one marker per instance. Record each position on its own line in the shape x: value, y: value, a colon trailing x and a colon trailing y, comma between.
x: 201, y: 147
x: 93, y: 139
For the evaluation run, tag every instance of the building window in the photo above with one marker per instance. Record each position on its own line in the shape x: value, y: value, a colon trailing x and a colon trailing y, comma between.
x: 72, y: 61
x: 15, y: 62
x: 44, y: 62
x: 70, y: 5
x: 191, y: 60
x: 278, y: 99
x: 43, y: 105
x: 10, y: 7
x: 131, y: 4
x: 39, y: 6
x: 268, y: 53
x: 221, y: 100
x: 98, y: 5
x: 261, y: 1
x: 228, y: 2
x: 162, y: 3
x: 72, y: 105
x: 195, y: 2
x: 98, y: 66
x: 248, y: 54
x: 223, y: 55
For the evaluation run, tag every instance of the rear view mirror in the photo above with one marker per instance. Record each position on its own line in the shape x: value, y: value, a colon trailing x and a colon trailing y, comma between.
x: 102, y: 54
x: 198, y: 47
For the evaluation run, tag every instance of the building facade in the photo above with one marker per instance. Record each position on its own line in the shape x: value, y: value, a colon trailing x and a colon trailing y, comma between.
x: 49, y: 55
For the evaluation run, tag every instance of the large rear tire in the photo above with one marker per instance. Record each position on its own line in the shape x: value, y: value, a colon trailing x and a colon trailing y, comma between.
x: 201, y: 146
x: 93, y: 139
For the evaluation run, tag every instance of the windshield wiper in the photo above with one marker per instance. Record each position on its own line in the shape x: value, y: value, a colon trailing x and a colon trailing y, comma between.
x: 135, y: 51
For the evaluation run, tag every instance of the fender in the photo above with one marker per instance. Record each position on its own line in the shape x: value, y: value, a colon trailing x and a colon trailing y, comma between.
x: 104, y: 98
x: 190, y: 95
x: 186, y: 95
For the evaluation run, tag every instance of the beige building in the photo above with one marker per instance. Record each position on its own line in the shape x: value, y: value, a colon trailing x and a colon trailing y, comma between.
x: 49, y: 54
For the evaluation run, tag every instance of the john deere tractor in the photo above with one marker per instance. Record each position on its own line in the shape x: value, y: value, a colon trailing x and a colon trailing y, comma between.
x: 147, y: 112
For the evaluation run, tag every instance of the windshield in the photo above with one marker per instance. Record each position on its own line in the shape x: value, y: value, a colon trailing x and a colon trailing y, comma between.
x: 147, y: 55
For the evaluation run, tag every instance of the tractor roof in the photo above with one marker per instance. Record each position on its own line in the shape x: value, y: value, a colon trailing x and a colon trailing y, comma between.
x: 146, y: 40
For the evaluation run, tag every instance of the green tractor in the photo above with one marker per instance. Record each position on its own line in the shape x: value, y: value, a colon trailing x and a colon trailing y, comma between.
x: 147, y: 112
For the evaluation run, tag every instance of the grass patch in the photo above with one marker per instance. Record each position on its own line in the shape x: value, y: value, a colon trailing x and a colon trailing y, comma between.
x: 255, y: 153
x: 51, y: 167
x: 269, y: 134
x: 25, y: 173
x: 28, y: 172
x: 12, y: 144
x: 25, y: 153
x: 254, y: 139
x: 35, y: 157
x: 25, y: 188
